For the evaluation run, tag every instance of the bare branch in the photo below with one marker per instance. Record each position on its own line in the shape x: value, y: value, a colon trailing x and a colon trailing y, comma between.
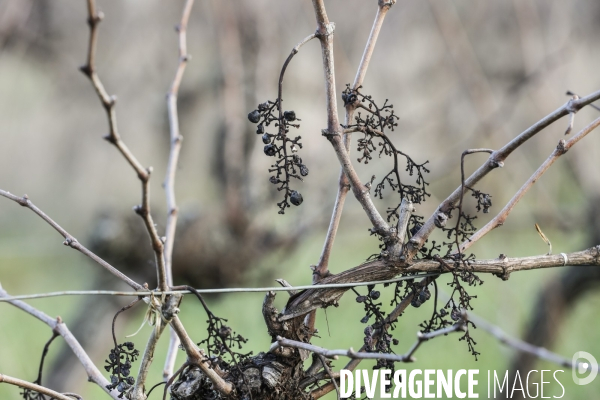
x: 108, y: 102
x: 35, y: 387
x: 58, y: 326
x: 334, y: 131
x: 197, y: 357
x: 499, y: 219
x: 69, y: 239
x: 176, y: 138
x: 408, y: 357
x: 343, y: 183
x: 495, y: 160
x: 169, y: 184
x: 520, y: 345
x: 315, y: 297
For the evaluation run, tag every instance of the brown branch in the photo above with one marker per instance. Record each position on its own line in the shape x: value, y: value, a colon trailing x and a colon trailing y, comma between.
x: 58, y: 326
x: 108, y: 102
x: 498, y: 220
x: 169, y: 183
x: 34, y: 387
x: 331, y: 375
x: 69, y: 239
x: 334, y: 131
x: 343, y: 183
x: 312, y: 299
x: 495, y: 160
x: 197, y: 357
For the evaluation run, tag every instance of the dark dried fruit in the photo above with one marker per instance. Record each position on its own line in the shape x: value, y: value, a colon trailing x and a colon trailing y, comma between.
x: 270, y: 150
x: 303, y: 170
x: 486, y: 203
x: 348, y: 98
x: 289, y: 115
x: 361, y: 299
x: 263, y: 106
x: 365, y: 319
x: 274, y: 180
x: 254, y: 116
x: 374, y: 294
x: 295, y: 197
x: 416, y: 302
x: 266, y: 138
x: 455, y: 314
x: 260, y: 129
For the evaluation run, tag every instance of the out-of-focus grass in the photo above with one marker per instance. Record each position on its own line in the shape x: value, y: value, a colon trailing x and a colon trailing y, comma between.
x: 507, y: 304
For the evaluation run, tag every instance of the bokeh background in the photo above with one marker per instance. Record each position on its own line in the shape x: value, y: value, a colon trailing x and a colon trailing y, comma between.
x: 461, y: 74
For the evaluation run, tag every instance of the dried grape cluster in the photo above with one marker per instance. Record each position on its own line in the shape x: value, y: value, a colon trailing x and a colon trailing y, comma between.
x: 375, y: 125
x: 383, y: 342
x: 288, y: 164
x: 119, y: 364
x: 221, y: 341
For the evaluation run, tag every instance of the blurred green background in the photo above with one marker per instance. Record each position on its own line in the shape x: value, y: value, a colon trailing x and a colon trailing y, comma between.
x: 460, y: 74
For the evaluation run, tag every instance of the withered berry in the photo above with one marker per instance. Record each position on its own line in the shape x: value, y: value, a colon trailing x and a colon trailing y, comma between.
x: 260, y: 129
x: 303, y: 170
x: 289, y: 115
x: 296, y: 198
x: 361, y: 299
x: 266, y: 138
x: 270, y: 150
x: 254, y: 116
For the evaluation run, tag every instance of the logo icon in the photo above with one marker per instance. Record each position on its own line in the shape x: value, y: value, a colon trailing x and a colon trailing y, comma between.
x: 583, y: 363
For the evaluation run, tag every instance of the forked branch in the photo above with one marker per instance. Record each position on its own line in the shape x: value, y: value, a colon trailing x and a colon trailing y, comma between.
x: 109, y: 102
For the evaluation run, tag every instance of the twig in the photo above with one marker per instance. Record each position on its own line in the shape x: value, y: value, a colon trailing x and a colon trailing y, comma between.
x: 571, y: 117
x: 350, y: 353
x: 176, y: 138
x: 69, y: 239
x: 462, y: 190
x: 33, y: 386
x: 138, y: 389
x: 520, y: 345
x: 496, y: 160
x: 334, y: 131
x: 392, y: 317
x: 408, y: 357
x: 499, y: 219
x: 197, y: 357
x: 330, y: 373
x: 44, y: 353
x: 108, y: 102
x: 322, y: 267
x: 172, y: 379
x: 169, y: 184
x: 57, y: 325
